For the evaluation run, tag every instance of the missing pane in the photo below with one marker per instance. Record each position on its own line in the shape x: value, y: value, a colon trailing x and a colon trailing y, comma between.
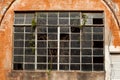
x: 98, y: 60
x: 97, y: 44
x: 97, y: 21
x: 64, y: 36
x: 18, y: 66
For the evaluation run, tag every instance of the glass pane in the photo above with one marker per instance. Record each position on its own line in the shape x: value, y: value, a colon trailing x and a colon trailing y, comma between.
x: 86, y: 36
x: 63, y: 14
x: 19, y: 36
x: 52, y: 52
x: 30, y: 59
x: 64, y: 51
x: 52, y: 29
x: 97, y: 51
x: 86, y: 52
x: 18, y: 29
x: 42, y: 44
x: 52, y: 20
x: 52, y: 66
x: 74, y: 67
x: 28, y: 29
x: 64, y: 21
x: 52, y: 59
x: 52, y: 36
x: 74, y: 14
x: 87, y: 29
x: 64, y: 59
x: 75, y: 52
x: 41, y: 66
x: 18, y: 51
x: 75, y: 44
x: 86, y: 44
x: 41, y: 21
x: 75, y: 37
x: 75, y: 59
x: 97, y: 36
x: 29, y: 66
x: 18, y: 58
x: 52, y: 44
x: 29, y: 36
x: 86, y: 67
x: 64, y: 44
x: 64, y: 29
x: 64, y: 66
x: 98, y: 67
x: 29, y: 43
x: 75, y: 22
x: 29, y: 51
x: 18, y: 43
x: 41, y: 59
x: 86, y: 59
x: 41, y: 52
x: 97, y: 29
x: 41, y: 29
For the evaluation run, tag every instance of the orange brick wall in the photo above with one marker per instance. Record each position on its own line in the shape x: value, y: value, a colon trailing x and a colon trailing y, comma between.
x: 28, y: 5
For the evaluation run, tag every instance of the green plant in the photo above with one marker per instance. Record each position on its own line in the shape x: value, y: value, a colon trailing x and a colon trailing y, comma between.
x: 84, y: 20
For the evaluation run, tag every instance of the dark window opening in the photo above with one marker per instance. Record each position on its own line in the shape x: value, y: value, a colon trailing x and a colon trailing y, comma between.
x: 98, y: 59
x: 97, y: 21
x: 98, y: 44
x: 18, y: 66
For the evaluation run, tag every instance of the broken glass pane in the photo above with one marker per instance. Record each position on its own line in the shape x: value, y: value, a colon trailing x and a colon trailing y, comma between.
x: 75, y: 29
x: 18, y: 66
x: 97, y: 21
x: 64, y: 59
x: 98, y: 59
x: 64, y: 36
x: 97, y: 44
x: 42, y: 36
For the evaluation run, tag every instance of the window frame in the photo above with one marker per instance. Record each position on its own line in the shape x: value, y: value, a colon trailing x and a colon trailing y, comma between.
x: 59, y: 44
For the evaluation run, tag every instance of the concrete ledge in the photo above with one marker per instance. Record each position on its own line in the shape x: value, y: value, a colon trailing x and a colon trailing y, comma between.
x: 56, y: 75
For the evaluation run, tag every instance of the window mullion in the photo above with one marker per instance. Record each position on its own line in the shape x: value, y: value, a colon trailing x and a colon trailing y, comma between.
x: 58, y: 63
